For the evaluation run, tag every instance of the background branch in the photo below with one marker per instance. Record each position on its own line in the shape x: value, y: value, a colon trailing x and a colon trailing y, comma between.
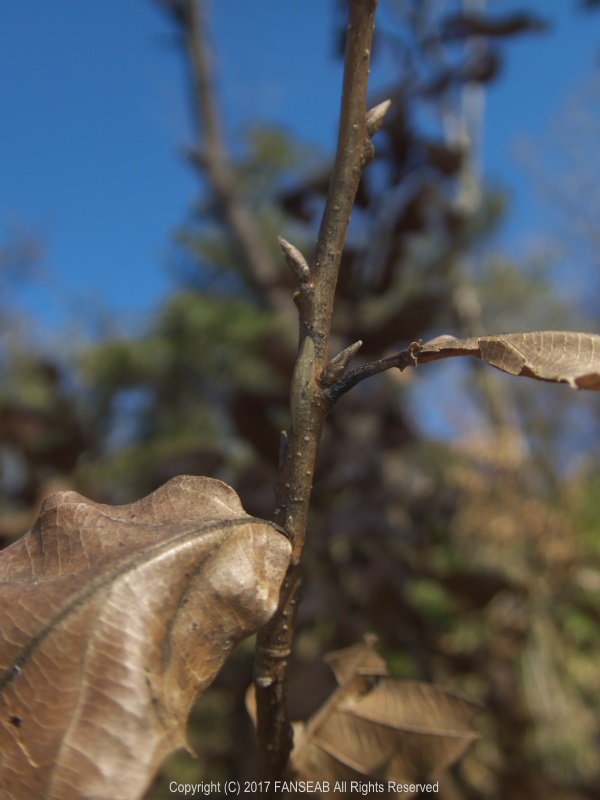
x: 210, y: 156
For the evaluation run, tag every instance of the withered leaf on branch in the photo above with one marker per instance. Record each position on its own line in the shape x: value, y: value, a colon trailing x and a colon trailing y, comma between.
x: 375, y: 727
x: 113, y: 619
x: 556, y: 356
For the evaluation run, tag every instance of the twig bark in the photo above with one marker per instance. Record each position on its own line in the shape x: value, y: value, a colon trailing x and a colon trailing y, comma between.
x: 308, y: 404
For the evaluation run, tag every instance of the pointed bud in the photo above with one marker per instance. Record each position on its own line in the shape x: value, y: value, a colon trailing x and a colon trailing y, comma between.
x: 295, y: 260
x: 376, y: 116
x: 338, y: 365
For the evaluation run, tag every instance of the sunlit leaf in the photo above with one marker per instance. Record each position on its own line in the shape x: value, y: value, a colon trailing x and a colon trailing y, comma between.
x: 556, y: 356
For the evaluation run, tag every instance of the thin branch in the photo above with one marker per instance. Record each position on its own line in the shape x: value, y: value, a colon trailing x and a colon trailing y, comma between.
x: 416, y: 353
x: 554, y: 356
x: 211, y: 157
x: 405, y: 358
x: 308, y: 403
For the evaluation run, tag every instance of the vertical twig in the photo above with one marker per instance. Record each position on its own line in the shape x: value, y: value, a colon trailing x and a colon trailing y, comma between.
x: 308, y: 405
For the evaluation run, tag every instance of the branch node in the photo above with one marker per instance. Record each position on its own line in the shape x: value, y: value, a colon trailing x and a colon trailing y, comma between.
x: 196, y: 157
x: 295, y: 260
x: 303, y: 299
x: 413, y: 351
x: 409, y: 357
x: 376, y: 116
x: 338, y: 365
x: 367, y: 155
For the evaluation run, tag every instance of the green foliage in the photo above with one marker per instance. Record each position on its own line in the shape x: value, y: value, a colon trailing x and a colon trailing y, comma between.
x: 188, y: 342
x: 164, y: 398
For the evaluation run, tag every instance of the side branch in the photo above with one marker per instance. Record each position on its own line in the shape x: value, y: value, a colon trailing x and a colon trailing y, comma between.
x: 405, y: 358
x: 553, y: 356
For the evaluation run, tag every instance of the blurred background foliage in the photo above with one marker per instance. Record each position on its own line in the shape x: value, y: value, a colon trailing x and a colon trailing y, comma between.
x: 449, y: 514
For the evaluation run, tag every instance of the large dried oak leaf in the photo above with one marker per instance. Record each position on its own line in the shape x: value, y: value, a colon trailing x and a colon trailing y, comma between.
x: 112, y: 620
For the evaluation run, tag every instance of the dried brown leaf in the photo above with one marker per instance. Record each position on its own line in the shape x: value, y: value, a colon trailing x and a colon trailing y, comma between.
x: 375, y: 727
x: 114, y: 619
x: 556, y: 356
x: 358, y: 659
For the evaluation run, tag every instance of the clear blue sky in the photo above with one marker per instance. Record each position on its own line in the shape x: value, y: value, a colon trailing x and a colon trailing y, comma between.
x: 94, y: 109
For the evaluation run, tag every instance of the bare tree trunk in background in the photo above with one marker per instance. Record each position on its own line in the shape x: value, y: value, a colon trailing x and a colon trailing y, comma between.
x: 210, y: 156
x: 463, y: 125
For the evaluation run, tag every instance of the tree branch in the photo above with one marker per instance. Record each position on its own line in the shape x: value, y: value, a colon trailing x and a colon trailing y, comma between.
x: 308, y: 402
x: 405, y: 358
x: 211, y: 157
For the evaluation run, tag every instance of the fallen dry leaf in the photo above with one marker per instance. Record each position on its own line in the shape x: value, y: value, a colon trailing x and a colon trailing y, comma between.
x: 378, y: 728
x: 113, y: 620
x: 556, y: 356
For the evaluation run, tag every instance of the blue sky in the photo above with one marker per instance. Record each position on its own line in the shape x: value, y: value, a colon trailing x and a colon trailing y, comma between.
x: 94, y: 110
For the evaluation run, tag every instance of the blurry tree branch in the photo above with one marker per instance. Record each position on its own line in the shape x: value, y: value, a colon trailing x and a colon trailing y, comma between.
x: 462, y: 116
x: 210, y: 156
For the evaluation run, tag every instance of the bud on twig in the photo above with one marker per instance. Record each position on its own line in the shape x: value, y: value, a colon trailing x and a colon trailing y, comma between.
x: 295, y: 260
x: 338, y: 365
x: 376, y: 116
